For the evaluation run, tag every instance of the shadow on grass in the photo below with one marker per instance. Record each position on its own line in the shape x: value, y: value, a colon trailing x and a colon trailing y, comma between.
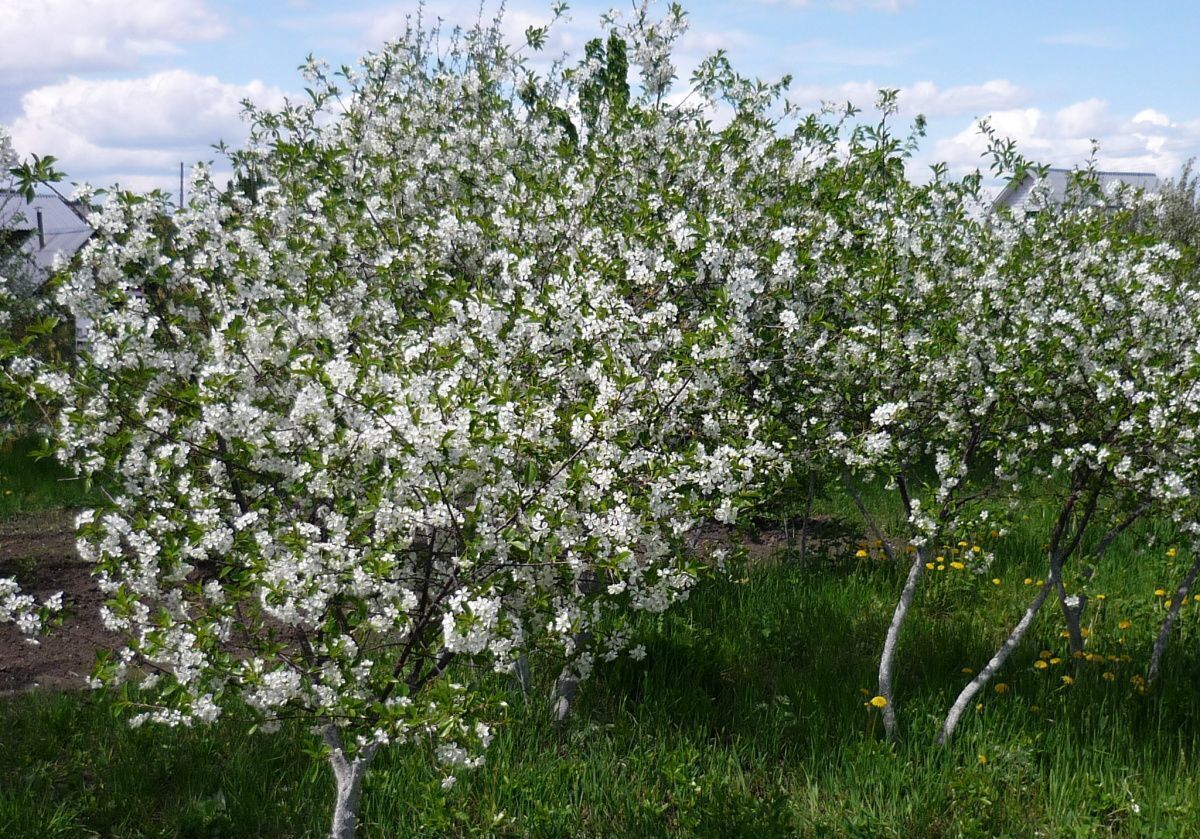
x: 746, y: 718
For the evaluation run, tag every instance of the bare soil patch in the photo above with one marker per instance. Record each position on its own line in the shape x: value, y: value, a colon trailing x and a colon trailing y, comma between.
x: 39, y: 550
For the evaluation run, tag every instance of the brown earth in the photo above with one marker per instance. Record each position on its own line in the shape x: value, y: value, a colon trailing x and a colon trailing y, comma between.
x: 39, y: 550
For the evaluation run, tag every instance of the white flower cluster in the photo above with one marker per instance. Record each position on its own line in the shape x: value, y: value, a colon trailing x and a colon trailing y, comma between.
x: 24, y: 610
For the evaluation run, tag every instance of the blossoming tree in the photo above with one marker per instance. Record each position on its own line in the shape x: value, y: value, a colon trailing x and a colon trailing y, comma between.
x: 408, y: 393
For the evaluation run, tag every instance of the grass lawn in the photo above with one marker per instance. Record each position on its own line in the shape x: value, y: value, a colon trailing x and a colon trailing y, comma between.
x: 29, y: 484
x: 746, y: 718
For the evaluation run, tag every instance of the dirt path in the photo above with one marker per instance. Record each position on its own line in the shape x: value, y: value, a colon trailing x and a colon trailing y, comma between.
x: 39, y: 550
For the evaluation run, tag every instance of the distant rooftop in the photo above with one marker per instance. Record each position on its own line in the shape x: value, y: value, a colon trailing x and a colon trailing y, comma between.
x: 1020, y: 194
x: 64, y: 229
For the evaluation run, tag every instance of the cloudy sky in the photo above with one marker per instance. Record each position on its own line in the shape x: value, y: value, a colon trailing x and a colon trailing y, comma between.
x: 124, y: 90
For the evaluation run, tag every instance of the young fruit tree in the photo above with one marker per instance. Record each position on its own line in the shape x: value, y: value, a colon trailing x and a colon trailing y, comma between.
x: 23, y: 321
x: 405, y: 401
x: 1106, y: 387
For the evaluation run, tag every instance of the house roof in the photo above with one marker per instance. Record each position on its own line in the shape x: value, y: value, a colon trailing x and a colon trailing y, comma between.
x: 1058, y: 179
x: 65, y: 230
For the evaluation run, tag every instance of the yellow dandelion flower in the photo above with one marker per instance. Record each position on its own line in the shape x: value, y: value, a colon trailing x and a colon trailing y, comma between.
x: 1039, y: 582
x: 963, y: 544
x: 941, y: 559
x: 1056, y: 660
x: 1110, y: 676
x: 979, y: 707
x: 1046, y: 654
x: 957, y: 566
x: 983, y: 760
x: 929, y: 565
x: 995, y: 581
x: 941, y: 567
x: 860, y: 553
x: 1040, y: 664
x: 1029, y: 581
x: 968, y: 671
x: 976, y: 549
x: 1100, y: 597
x: 1167, y: 604
x: 1125, y: 624
x: 879, y: 702
x: 1172, y: 553
x: 1159, y: 592
x: 1067, y: 680
x: 1001, y: 688
x: 995, y: 534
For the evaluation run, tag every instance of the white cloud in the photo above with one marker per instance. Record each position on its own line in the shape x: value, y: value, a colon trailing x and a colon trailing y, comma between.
x: 1151, y: 116
x: 370, y: 27
x: 1108, y: 39
x: 1145, y: 142
x: 42, y: 39
x: 135, y: 130
x: 922, y: 97
x: 1089, y: 118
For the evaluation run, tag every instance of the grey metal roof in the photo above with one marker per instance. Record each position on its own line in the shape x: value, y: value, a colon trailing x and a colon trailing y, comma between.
x: 64, y: 229
x: 1017, y: 194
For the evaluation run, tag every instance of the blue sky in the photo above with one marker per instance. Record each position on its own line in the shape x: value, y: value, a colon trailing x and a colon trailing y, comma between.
x: 123, y: 90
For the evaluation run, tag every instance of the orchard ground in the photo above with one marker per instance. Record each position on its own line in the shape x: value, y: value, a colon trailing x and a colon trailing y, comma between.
x: 748, y: 717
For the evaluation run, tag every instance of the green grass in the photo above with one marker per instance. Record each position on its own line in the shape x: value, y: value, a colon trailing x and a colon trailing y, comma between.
x: 746, y: 718
x: 29, y: 484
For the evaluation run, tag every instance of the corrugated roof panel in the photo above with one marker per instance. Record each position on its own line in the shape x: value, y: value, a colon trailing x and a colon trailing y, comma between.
x: 64, y: 231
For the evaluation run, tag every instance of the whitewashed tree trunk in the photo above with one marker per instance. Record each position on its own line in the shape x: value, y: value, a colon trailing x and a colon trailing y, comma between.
x: 888, y: 659
x: 969, y: 693
x: 348, y: 775
x: 1164, y: 632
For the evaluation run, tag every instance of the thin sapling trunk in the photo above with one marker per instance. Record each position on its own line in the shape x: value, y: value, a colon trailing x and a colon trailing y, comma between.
x: 1164, y: 632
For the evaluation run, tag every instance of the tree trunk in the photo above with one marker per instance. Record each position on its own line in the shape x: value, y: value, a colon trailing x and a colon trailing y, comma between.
x: 866, y: 514
x: 348, y: 775
x: 523, y: 674
x: 567, y: 687
x: 807, y: 516
x: 888, y: 659
x: 997, y: 661
x: 1072, y: 610
x: 1164, y: 632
